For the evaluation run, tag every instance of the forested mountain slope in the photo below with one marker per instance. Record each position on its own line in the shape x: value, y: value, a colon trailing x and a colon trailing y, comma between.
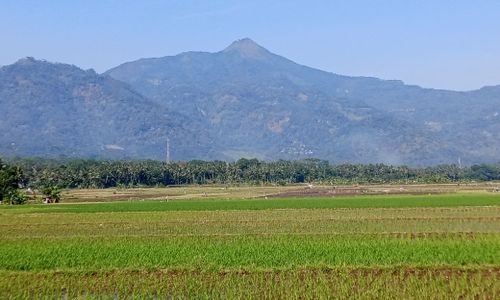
x: 243, y: 101
x: 52, y: 109
x: 260, y: 104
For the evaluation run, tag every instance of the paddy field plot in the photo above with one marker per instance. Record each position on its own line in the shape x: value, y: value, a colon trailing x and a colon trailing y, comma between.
x: 388, y: 246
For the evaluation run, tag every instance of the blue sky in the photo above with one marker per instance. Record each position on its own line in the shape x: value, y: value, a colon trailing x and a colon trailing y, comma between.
x: 452, y: 44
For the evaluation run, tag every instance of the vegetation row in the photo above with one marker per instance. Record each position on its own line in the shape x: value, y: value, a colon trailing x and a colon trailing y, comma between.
x: 77, y: 173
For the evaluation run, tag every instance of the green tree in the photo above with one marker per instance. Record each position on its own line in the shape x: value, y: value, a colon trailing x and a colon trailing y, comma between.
x: 52, y: 193
x: 10, y: 179
x: 17, y: 197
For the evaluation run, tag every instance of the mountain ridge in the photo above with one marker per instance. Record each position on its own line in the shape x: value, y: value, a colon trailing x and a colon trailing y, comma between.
x: 58, y: 109
x: 409, y: 104
x: 359, y: 77
x: 245, y: 101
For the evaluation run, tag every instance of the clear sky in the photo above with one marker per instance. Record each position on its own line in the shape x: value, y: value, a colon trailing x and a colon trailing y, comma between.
x: 452, y: 44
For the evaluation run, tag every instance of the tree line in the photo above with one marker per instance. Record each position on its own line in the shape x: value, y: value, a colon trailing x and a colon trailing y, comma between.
x: 83, y: 173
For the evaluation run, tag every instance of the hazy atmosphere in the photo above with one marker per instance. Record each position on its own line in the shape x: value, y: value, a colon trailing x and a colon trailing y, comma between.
x: 249, y: 149
x: 449, y: 44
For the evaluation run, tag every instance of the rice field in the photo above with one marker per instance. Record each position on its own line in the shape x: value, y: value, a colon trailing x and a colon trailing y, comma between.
x: 369, y: 246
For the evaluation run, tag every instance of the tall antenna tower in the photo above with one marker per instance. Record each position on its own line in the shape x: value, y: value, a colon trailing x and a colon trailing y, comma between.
x: 168, y: 151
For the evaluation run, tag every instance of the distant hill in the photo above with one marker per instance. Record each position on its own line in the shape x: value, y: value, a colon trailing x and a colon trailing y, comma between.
x: 259, y: 104
x: 60, y: 110
x: 243, y: 101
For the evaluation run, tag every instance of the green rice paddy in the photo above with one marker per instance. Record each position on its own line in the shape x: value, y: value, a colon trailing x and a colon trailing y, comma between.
x: 439, y: 246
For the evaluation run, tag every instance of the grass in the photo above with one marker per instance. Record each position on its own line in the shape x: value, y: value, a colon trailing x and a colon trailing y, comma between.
x: 343, y: 283
x: 447, y: 200
x: 247, y: 252
x: 439, y: 246
x: 254, y: 222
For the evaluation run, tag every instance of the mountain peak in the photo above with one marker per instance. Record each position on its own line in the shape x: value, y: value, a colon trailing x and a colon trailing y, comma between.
x: 26, y: 61
x: 30, y: 61
x: 247, y: 48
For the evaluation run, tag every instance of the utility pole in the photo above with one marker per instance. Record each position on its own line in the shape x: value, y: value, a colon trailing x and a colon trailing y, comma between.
x: 168, y: 151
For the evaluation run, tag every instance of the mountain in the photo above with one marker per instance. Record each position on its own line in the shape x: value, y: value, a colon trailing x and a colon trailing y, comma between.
x: 243, y: 101
x: 258, y: 104
x: 52, y: 109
